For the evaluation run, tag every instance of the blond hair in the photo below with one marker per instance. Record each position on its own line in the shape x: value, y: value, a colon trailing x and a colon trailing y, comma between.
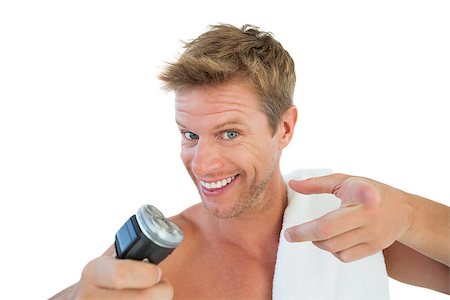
x: 224, y: 53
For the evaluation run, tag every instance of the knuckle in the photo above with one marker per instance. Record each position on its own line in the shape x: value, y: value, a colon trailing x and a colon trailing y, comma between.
x: 324, y: 230
x: 118, y: 275
x: 344, y: 257
x: 88, y: 270
x: 330, y: 246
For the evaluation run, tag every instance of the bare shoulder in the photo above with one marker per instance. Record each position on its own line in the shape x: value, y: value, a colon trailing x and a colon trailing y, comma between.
x: 190, y: 219
x: 191, y: 222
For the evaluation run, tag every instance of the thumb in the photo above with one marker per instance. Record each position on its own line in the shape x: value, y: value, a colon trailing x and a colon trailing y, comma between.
x: 327, y: 184
x: 351, y: 190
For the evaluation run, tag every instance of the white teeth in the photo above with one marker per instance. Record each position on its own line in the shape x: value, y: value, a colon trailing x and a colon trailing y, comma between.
x: 218, y: 184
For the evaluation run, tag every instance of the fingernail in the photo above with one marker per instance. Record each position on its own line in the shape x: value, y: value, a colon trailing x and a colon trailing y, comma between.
x: 288, y: 236
x: 159, y: 275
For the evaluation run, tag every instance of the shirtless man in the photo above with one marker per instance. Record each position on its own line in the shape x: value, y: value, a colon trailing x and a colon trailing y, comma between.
x: 233, y: 102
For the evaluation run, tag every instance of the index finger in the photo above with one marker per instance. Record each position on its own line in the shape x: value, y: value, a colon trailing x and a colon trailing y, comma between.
x: 109, y: 272
x: 329, y: 225
x: 327, y: 184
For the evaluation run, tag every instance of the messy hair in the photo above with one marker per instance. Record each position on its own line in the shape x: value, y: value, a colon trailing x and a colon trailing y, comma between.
x: 225, y: 53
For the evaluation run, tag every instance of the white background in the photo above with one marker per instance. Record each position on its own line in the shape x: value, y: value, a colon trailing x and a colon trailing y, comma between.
x: 87, y: 135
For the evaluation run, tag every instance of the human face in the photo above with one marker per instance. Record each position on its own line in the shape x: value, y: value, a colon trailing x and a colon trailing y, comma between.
x: 227, y: 147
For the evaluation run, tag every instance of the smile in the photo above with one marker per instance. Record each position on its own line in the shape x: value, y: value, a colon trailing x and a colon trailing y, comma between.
x: 217, y: 184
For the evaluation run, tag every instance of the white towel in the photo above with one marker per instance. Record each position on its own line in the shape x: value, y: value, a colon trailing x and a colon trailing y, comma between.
x: 303, y: 271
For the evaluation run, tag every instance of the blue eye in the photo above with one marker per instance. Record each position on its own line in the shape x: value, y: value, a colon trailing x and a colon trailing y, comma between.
x: 190, y: 135
x: 230, y: 134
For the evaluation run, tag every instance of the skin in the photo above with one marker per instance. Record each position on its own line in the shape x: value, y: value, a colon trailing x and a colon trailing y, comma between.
x: 231, y: 238
x: 240, y: 226
x: 109, y: 278
x: 411, y: 230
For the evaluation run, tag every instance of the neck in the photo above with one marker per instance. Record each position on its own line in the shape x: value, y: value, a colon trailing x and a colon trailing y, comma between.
x: 258, y: 230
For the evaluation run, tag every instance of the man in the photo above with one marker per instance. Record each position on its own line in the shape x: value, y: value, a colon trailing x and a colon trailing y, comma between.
x: 234, y: 108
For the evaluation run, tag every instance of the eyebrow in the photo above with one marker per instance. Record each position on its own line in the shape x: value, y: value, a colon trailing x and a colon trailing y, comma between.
x: 220, y: 126
x: 179, y: 124
x: 228, y: 123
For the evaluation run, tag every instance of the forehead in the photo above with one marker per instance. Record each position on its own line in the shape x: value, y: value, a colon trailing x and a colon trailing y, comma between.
x: 219, y: 103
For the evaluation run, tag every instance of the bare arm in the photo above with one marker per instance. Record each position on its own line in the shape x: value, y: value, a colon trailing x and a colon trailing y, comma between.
x: 429, y: 232
x: 421, y: 256
x: 109, y: 278
x: 413, y: 231
x: 409, y: 266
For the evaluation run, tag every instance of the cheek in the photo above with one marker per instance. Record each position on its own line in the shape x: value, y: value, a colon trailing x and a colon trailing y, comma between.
x: 260, y: 151
x: 255, y: 156
x: 186, y: 156
x: 268, y: 158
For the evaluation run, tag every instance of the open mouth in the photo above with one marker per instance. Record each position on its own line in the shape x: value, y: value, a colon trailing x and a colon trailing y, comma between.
x: 216, y: 186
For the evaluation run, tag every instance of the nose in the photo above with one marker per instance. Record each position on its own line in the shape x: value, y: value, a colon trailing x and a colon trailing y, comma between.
x: 207, y: 157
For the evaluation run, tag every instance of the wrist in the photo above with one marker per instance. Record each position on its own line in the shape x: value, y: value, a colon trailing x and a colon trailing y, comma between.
x: 411, y: 208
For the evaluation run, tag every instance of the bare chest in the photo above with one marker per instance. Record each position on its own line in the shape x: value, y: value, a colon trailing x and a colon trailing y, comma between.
x: 221, y: 275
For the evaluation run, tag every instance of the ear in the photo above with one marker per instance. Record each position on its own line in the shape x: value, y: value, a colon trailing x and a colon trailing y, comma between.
x: 287, y: 125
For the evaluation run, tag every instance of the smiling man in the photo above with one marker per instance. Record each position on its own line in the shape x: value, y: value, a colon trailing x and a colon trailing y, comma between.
x: 232, y: 155
x: 229, y: 148
x: 235, y: 112
x: 234, y: 109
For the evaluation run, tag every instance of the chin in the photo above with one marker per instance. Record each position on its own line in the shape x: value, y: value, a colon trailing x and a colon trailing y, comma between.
x: 222, y: 212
